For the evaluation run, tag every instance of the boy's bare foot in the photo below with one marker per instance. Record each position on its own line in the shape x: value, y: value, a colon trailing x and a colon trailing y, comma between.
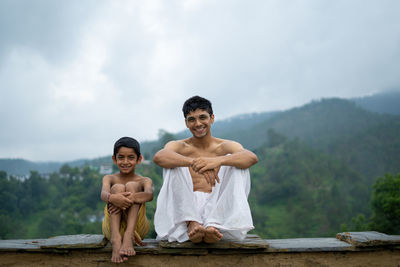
x: 212, y: 235
x: 196, y: 232
x: 116, y: 256
x: 127, y: 247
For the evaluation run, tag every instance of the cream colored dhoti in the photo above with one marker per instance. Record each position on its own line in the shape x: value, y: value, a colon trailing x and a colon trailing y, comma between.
x: 225, y: 208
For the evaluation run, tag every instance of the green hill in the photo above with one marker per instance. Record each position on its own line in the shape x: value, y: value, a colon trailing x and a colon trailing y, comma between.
x: 368, y: 142
x: 300, y: 192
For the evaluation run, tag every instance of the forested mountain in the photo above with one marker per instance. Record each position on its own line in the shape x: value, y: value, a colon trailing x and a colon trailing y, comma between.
x: 317, y: 164
x: 241, y: 128
x: 386, y: 102
x: 23, y: 167
x: 299, y: 192
x: 368, y: 142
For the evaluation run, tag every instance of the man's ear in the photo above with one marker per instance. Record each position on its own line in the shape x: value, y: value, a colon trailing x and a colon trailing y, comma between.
x: 212, y: 118
x: 187, y: 126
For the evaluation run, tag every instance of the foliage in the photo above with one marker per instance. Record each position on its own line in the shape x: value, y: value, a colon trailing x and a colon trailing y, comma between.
x: 386, y: 205
x: 299, y: 192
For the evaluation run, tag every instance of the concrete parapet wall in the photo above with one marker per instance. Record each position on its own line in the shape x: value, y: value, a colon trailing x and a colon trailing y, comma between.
x: 358, y: 249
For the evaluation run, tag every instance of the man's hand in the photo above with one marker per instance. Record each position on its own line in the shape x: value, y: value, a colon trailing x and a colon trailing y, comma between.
x: 203, y: 164
x: 211, y: 176
x: 121, y: 200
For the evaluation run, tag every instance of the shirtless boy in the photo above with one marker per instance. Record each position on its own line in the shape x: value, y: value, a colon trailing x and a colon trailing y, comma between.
x: 206, y: 183
x: 125, y: 194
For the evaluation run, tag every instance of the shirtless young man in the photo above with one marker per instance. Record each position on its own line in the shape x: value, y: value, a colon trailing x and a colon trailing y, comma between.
x: 206, y: 183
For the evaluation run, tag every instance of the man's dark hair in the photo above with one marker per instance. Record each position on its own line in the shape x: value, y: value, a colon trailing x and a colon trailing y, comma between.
x: 127, y: 142
x: 196, y: 102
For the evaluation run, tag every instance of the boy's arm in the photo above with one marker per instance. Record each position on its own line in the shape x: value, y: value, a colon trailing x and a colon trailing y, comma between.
x: 147, y: 194
x: 106, y: 188
x: 237, y: 156
x: 119, y: 200
x: 169, y: 157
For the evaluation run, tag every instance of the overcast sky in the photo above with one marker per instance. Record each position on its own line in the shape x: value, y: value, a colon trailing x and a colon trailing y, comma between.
x: 77, y: 75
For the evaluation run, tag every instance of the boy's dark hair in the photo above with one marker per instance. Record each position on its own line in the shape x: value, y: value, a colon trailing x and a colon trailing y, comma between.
x: 196, y: 102
x: 127, y: 142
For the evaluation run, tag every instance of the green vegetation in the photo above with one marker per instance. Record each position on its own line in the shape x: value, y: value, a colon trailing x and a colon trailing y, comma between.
x: 386, y: 205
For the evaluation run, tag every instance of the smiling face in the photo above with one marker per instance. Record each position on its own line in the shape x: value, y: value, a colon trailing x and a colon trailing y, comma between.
x: 126, y: 160
x: 199, y: 122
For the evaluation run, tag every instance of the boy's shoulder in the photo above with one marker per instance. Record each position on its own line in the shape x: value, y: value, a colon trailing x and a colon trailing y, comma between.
x: 143, y: 178
x: 110, y: 176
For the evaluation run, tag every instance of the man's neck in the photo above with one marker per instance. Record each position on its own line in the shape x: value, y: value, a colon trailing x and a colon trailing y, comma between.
x: 203, y: 142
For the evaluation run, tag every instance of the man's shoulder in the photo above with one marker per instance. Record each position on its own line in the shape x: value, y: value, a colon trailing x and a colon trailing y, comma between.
x: 225, y: 142
x: 225, y: 146
x: 178, y: 144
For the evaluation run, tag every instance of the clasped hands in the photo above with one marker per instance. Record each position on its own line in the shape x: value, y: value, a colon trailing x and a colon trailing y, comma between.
x: 121, y: 201
x: 208, y: 167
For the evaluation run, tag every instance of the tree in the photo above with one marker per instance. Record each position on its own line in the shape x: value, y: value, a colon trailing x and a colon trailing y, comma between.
x: 386, y: 204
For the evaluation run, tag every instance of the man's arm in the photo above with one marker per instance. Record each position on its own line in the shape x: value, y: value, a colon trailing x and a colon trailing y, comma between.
x: 147, y: 194
x: 236, y: 156
x: 169, y: 158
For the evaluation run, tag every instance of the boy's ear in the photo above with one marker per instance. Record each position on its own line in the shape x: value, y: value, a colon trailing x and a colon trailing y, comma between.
x: 114, y: 160
x: 140, y: 159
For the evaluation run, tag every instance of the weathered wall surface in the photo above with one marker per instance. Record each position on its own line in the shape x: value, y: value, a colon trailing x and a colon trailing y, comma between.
x: 86, y: 258
x: 347, y: 249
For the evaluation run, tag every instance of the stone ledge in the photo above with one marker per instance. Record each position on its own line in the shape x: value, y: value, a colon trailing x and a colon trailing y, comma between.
x: 353, y: 241
x: 368, y: 239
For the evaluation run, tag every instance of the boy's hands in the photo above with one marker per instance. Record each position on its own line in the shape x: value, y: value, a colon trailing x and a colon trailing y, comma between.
x: 119, y: 201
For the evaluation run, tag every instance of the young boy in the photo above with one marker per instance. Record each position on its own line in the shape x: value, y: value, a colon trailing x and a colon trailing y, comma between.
x: 125, y: 194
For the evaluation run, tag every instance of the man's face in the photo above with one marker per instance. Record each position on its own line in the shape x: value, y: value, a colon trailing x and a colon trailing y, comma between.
x: 126, y: 160
x: 199, y: 122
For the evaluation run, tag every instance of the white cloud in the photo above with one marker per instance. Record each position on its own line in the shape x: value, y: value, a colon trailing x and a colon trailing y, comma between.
x: 80, y: 75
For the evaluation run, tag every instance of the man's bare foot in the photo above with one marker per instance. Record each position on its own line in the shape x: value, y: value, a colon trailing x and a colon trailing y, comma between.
x: 196, y: 232
x: 127, y: 247
x: 212, y: 235
x: 116, y: 246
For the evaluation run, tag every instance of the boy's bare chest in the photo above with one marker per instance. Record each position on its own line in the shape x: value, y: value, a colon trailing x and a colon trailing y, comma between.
x: 119, y: 180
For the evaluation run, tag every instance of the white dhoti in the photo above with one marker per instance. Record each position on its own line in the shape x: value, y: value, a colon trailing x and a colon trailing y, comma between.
x: 225, y: 208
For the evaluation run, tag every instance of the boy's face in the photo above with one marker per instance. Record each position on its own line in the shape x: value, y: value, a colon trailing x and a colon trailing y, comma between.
x: 199, y: 122
x: 126, y: 160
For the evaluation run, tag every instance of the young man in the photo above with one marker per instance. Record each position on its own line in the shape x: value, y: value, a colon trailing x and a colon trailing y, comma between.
x: 206, y: 183
x: 125, y: 194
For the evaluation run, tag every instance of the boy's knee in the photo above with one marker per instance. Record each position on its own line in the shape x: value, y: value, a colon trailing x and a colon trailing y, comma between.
x: 132, y: 186
x: 117, y: 188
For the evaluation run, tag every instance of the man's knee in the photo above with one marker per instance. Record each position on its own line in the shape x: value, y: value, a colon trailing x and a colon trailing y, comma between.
x: 132, y: 187
x: 117, y: 188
